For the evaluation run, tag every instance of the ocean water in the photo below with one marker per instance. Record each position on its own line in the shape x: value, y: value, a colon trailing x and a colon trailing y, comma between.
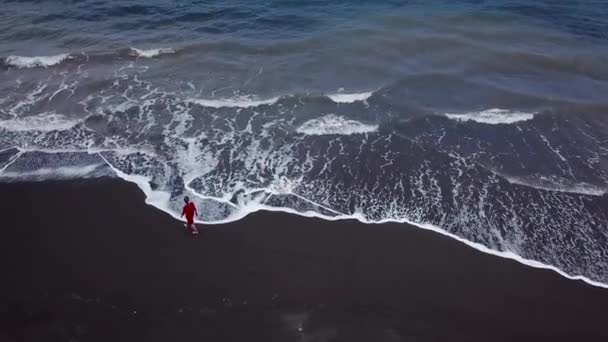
x: 486, y: 120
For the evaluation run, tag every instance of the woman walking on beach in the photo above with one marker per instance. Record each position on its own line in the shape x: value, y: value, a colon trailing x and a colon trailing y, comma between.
x: 190, y: 211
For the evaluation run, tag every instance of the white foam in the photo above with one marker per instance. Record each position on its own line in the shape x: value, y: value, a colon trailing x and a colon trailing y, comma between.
x: 493, y: 116
x: 150, y: 53
x: 64, y: 172
x: 234, y: 102
x: 245, y: 101
x: 36, y: 61
x: 559, y: 186
x: 40, y: 122
x: 350, y: 98
x: 335, y: 125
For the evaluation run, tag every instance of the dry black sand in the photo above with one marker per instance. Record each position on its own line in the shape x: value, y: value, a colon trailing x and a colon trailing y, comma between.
x: 90, y: 261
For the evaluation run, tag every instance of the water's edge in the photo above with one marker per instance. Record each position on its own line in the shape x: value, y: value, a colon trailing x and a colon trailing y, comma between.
x: 145, y: 188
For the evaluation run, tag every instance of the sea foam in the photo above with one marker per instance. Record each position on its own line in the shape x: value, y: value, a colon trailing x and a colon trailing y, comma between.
x: 350, y: 98
x: 552, y: 184
x: 40, y: 122
x: 335, y: 125
x: 246, y: 101
x: 36, y: 61
x: 493, y: 116
x: 234, y: 102
x: 150, y: 53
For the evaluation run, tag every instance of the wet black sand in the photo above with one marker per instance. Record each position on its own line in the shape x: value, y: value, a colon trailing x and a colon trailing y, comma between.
x: 90, y: 261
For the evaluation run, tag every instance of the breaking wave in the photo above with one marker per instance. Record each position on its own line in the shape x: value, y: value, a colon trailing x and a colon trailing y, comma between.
x: 350, y: 98
x: 234, y: 102
x: 335, y: 125
x: 40, y: 122
x: 557, y: 184
x: 59, y: 173
x: 246, y: 101
x: 36, y: 61
x: 150, y: 53
x: 493, y: 116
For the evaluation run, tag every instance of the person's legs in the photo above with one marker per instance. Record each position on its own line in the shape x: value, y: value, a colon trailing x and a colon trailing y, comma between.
x: 191, y: 225
x: 193, y: 229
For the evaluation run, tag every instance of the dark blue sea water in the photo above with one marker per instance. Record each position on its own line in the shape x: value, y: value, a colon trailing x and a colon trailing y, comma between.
x: 487, y: 120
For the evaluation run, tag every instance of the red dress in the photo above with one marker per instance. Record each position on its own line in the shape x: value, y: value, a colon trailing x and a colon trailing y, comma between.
x: 189, y: 210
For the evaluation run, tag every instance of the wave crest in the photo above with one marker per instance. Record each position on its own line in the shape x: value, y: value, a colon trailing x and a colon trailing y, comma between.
x: 36, y: 61
x: 150, y: 53
x: 350, y: 98
x: 556, y: 184
x: 493, y: 116
x: 40, y: 122
x: 246, y: 101
x: 234, y: 102
x: 63, y: 172
x: 334, y: 125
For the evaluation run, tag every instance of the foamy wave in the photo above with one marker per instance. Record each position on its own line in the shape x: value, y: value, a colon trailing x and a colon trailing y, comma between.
x: 234, y: 102
x: 350, y: 98
x: 36, y: 61
x: 558, y: 185
x: 64, y: 172
x: 150, y: 53
x: 334, y: 124
x: 246, y: 101
x: 493, y: 116
x: 40, y: 122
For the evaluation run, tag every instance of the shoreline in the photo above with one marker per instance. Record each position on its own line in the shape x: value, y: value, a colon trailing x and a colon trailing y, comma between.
x: 90, y: 251
x: 144, y: 188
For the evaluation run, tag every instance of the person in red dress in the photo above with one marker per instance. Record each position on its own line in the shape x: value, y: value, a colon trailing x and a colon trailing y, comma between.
x: 190, y: 211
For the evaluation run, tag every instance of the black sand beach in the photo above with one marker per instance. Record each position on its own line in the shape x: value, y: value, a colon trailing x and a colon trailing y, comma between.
x: 89, y: 261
